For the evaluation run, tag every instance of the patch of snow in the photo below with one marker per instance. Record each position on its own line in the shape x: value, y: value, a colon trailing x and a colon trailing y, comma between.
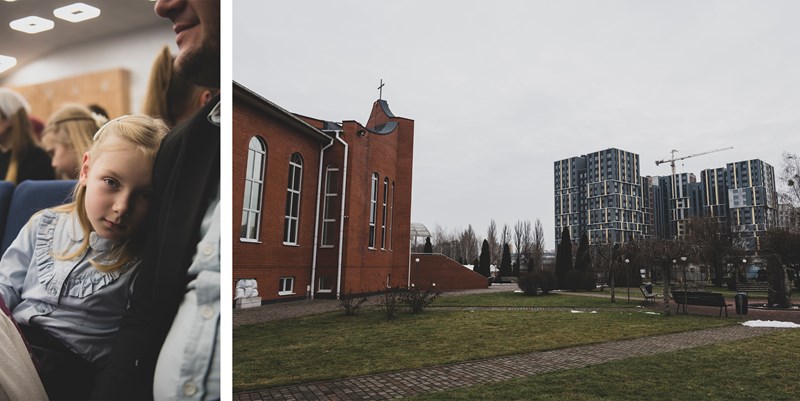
x: 652, y: 313
x: 577, y: 311
x: 770, y: 323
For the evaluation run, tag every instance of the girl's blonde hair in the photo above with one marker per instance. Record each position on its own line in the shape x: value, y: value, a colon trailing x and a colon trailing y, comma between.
x: 14, y: 108
x: 72, y: 125
x: 169, y: 96
x: 143, y: 132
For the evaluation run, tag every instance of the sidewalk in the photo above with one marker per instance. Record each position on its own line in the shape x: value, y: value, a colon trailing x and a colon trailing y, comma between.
x: 393, y: 385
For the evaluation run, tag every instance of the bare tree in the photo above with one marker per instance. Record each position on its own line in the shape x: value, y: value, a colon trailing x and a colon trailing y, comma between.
x: 469, y: 245
x: 789, y: 188
x: 714, y: 245
x: 790, y: 178
x: 537, y: 245
x: 442, y: 241
x: 521, y: 242
x: 664, y: 254
x: 609, y: 257
x: 505, y: 235
x: 494, y: 247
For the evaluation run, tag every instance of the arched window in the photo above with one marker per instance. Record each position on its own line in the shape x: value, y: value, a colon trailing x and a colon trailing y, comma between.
x: 329, y: 206
x: 253, y: 188
x: 291, y: 223
x: 383, y: 212
x: 373, y: 210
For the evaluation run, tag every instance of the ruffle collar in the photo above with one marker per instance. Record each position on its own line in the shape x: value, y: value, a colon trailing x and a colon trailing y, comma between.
x: 83, y: 278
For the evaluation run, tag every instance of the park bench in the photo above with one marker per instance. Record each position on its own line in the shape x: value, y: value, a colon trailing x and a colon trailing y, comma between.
x: 700, y: 298
x: 649, y: 297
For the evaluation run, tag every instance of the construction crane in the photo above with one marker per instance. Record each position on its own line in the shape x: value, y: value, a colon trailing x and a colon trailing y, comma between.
x: 677, y: 214
x: 673, y: 159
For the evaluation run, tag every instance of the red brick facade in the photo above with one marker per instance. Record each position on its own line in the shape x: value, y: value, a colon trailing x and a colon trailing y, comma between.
x: 445, y: 273
x: 383, y: 147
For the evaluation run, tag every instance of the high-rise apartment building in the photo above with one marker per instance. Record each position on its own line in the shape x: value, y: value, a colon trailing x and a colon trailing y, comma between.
x: 752, y: 201
x: 599, y: 193
x: 603, y: 195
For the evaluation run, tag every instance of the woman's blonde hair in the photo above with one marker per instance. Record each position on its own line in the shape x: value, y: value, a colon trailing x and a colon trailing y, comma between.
x: 145, y: 133
x: 169, y: 96
x: 72, y: 125
x: 14, y: 108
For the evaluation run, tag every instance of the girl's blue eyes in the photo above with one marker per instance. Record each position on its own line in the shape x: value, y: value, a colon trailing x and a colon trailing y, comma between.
x: 145, y: 195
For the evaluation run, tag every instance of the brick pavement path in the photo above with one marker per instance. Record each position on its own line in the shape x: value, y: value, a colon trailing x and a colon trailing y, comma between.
x: 393, y: 385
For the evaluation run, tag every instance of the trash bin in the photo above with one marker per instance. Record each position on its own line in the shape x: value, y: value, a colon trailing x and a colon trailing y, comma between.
x: 741, y: 303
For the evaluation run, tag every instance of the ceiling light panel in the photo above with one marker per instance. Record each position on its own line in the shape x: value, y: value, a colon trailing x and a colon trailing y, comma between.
x: 6, y: 62
x: 76, y: 12
x: 32, y: 24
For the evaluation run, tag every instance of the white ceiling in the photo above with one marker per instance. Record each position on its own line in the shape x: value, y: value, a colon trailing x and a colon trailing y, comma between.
x: 116, y: 17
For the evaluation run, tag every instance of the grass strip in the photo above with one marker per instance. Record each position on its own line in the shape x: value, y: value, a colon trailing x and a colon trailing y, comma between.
x: 762, y: 368
x: 331, y: 346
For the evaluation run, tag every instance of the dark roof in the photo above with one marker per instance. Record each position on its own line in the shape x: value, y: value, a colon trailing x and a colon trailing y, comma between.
x: 272, y: 109
x: 331, y: 126
x: 384, y: 129
x: 385, y: 107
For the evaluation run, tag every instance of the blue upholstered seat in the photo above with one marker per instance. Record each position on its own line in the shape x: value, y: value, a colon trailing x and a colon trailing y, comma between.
x: 6, y: 190
x: 28, y: 198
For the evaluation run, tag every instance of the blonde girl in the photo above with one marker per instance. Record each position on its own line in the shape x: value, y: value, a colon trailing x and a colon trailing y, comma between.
x: 20, y: 158
x: 67, y: 136
x: 68, y: 275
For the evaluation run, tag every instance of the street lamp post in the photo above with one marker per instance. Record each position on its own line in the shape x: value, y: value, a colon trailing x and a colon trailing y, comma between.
x: 685, y: 295
x: 628, y: 278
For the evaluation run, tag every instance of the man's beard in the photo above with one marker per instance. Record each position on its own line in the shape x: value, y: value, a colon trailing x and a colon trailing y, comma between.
x: 200, y: 67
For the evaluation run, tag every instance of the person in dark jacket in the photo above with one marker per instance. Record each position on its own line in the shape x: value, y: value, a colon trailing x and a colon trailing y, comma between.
x: 168, y: 345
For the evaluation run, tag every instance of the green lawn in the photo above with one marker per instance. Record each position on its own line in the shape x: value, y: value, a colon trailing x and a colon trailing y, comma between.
x: 331, y: 345
x: 763, y: 368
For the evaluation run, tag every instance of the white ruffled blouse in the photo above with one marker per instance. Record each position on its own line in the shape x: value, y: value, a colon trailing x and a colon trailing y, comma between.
x: 70, y: 299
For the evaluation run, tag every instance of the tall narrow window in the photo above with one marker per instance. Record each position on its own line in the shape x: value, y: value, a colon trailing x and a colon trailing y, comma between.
x: 373, y: 210
x: 391, y: 219
x: 329, y: 207
x: 293, y: 200
x: 383, y: 212
x: 253, y: 187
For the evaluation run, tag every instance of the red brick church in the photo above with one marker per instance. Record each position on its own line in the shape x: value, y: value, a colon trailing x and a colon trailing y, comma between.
x: 321, y: 208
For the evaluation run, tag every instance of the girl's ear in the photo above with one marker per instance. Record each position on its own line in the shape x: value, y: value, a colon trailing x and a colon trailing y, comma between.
x: 84, y: 174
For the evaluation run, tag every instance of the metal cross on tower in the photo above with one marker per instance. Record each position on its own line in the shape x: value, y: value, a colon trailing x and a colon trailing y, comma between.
x: 380, y: 90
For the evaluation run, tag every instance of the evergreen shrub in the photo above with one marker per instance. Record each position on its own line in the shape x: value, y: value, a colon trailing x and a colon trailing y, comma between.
x: 531, y: 283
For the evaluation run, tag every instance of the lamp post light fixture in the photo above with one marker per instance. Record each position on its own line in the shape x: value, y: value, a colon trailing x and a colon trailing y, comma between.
x: 628, y: 278
x: 685, y: 294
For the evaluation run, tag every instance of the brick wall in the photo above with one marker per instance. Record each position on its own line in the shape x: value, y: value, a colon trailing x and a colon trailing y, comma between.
x: 448, y: 274
x: 269, y: 259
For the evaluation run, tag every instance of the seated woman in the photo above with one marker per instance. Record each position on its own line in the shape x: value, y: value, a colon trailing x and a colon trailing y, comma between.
x: 67, y: 136
x: 68, y: 275
x: 20, y: 158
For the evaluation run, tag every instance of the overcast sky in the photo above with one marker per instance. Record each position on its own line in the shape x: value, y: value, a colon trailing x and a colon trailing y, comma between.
x: 499, y: 90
